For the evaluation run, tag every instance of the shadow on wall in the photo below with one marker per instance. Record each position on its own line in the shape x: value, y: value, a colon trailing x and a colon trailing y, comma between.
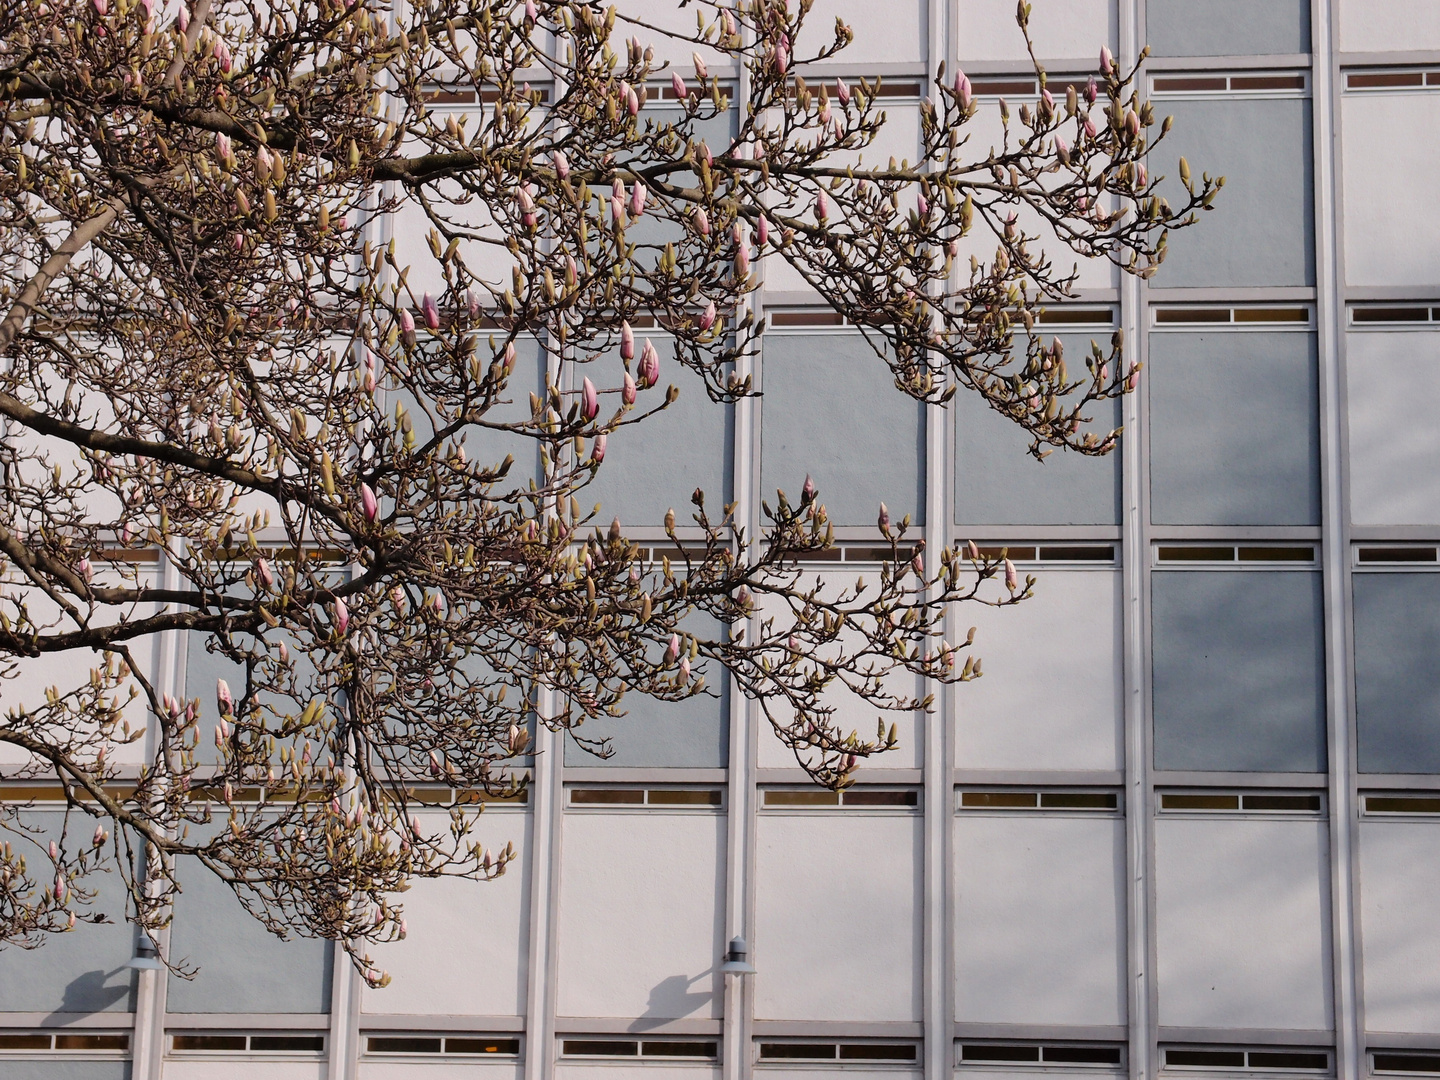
x: 92, y: 992
x: 672, y: 997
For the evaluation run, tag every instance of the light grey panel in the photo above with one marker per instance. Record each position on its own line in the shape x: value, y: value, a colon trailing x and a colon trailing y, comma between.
x: 1397, y: 672
x: 1227, y: 27
x: 998, y: 482
x: 656, y: 464
x: 1260, y: 230
x: 51, y: 1069
x: 82, y: 971
x: 692, y: 734
x: 831, y: 409
x: 243, y: 968
x: 1234, y: 429
x: 1238, y: 671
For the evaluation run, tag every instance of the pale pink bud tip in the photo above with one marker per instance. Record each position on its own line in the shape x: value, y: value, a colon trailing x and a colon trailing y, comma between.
x: 368, y: 503
x: 822, y: 207
x: 597, y: 451
x: 431, y: 312
x: 407, y: 322
x: 884, y: 518
x: 1012, y: 582
x: 1107, y: 62
x: 530, y: 13
x: 707, y: 317
x: 561, y: 163
x: 678, y: 85
x: 222, y: 696
x: 589, y: 400
x: 807, y: 492
x: 762, y: 230
x: 649, y: 364
x: 627, y: 342
x: 627, y: 392
x: 673, y: 649
x: 842, y: 91
x: 342, y: 616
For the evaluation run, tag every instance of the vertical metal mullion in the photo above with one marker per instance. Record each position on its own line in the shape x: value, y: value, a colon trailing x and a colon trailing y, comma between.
x: 1335, y: 543
x: 938, y: 981
x: 1135, y: 546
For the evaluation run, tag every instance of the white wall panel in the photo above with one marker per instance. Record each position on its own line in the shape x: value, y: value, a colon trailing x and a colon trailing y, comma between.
x: 1050, y: 697
x: 467, y: 946
x: 829, y: 1069
x: 1392, y: 219
x: 1040, y: 919
x: 888, y: 33
x: 1391, y: 26
x: 641, y: 915
x: 230, y: 1068
x: 378, y: 1068
x: 1074, y: 29
x: 625, y: 1070
x: 1393, y: 389
x: 1243, y: 916
x: 837, y: 916
x: 1399, y: 880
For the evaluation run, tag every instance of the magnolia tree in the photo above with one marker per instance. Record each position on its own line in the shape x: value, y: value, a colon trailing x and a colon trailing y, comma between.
x: 209, y: 356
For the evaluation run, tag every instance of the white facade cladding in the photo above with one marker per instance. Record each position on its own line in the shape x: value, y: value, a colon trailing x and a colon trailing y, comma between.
x: 1189, y: 820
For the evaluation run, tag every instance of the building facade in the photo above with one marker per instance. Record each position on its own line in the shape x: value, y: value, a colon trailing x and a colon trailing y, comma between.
x: 1189, y: 820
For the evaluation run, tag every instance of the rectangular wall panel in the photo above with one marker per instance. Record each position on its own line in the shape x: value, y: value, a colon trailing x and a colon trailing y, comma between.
x: 1238, y: 671
x: 1242, y: 923
x: 837, y: 917
x: 1060, y: 31
x: 1261, y: 230
x: 235, y: 1069
x: 1226, y: 27
x: 641, y: 915
x: 1050, y: 697
x: 831, y: 410
x: 1040, y: 919
x: 1391, y: 218
x: 1234, y: 428
x: 1397, y: 677
x: 1399, y: 879
x: 1392, y: 384
x: 468, y: 942
x: 1398, y: 26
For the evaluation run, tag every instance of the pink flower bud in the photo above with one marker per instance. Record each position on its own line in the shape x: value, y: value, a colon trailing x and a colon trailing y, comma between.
x: 1012, y: 582
x: 627, y: 342
x: 561, y: 164
x: 54, y: 851
x: 793, y: 644
x: 86, y: 570
x: 822, y: 207
x: 531, y: 15
x: 472, y: 303
x: 182, y: 18
x: 1132, y: 122
x: 368, y: 503
x: 101, y: 7
x: 782, y: 58
x: 884, y: 519
x: 702, y: 221
x: 524, y: 199
x: 589, y: 400
x: 672, y: 651
x: 1089, y: 128
x: 1091, y: 93
x: 238, y: 243
x: 762, y: 231
x: 1141, y: 176
x: 742, y: 261
x: 627, y: 392
x: 1062, y: 149
x: 264, y: 574
x: 727, y: 21
x: 1048, y: 99
x: 685, y: 670
x: 824, y: 115
x: 1107, y: 62
x: 632, y: 102
x: 222, y: 141
x: 707, y: 317
x: 637, y: 199
x: 597, y: 450
x: 99, y: 837
x: 678, y: 85
x: 430, y: 311
x: 922, y: 206
x: 649, y: 364
x: 807, y: 490
x: 407, y: 321
x: 963, y: 91
x: 342, y: 616
x: 842, y: 91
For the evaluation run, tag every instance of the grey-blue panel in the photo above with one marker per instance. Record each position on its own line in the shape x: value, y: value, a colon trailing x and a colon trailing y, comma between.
x: 1397, y: 672
x: 243, y: 967
x: 998, y: 482
x: 830, y: 409
x: 1234, y: 429
x: 1227, y: 27
x: 1238, y: 671
x: 657, y: 463
x: 52, y: 1069
x: 1261, y: 228
x: 82, y: 971
x: 692, y: 734
x: 487, y: 446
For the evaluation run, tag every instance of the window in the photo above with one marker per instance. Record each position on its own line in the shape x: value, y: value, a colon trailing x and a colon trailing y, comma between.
x: 457, y: 1045
x: 845, y: 1051
x: 851, y: 798
x: 1394, y: 554
x: 1397, y: 681
x: 1388, y: 803
x: 1238, y: 670
x: 818, y: 875
x: 240, y: 1042
x: 1194, y: 315
x: 1070, y: 629
x: 1381, y: 1062
x: 1016, y: 799
x: 679, y: 1049
x: 73, y: 1041
x: 998, y: 482
x: 1212, y: 83
x: 1388, y: 181
x: 655, y: 877
x: 1049, y: 1054
x: 1268, y: 1060
x: 1234, y: 427
x: 1227, y: 27
x: 817, y: 386
x: 1261, y: 143
x: 1226, y: 553
x: 1394, y: 445
x: 1250, y: 802
x: 1040, y: 908
x: 1242, y: 921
